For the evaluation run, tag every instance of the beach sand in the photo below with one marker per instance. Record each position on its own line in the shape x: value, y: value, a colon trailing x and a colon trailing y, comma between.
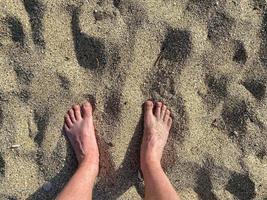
x: 205, y: 59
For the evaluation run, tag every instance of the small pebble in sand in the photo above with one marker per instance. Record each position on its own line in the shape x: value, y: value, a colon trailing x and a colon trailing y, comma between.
x: 236, y: 133
x: 14, y: 146
x: 99, y: 15
x: 110, y: 144
x: 47, y: 186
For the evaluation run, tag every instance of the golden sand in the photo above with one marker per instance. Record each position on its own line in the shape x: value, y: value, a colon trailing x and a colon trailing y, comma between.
x: 205, y: 59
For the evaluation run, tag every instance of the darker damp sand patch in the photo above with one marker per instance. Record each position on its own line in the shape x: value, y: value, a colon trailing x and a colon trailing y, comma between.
x: 24, y: 75
x: 116, y: 3
x: 1, y: 117
x: 16, y: 29
x: 41, y: 119
x: 35, y: 10
x: 256, y: 87
x: 24, y: 95
x: 177, y: 45
x: 216, y: 90
x: 259, y: 4
x: 113, y: 105
x: 2, y: 166
x: 261, y: 154
x: 235, y: 116
x: 201, y: 7
x: 219, y: 27
x: 203, y: 181
x: 241, y: 186
x: 240, y: 55
x: 64, y: 82
x: 217, y: 85
x: 90, y: 51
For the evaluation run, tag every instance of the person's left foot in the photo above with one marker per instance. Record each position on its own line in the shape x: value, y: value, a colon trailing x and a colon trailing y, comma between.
x: 80, y: 130
x: 157, y: 126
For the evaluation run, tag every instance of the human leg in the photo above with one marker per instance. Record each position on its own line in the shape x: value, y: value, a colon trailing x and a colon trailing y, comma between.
x: 80, y: 131
x: 157, y: 124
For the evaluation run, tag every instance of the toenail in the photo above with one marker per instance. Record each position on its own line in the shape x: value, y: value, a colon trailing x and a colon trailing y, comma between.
x: 149, y: 103
x: 86, y: 104
x: 159, y: 103
x: 71, y: 112
x: 75, y: 107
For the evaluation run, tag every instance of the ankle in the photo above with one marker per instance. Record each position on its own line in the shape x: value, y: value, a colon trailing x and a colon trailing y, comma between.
x: 90, y: 166
x: 90, y: 160
x: 150, y: 166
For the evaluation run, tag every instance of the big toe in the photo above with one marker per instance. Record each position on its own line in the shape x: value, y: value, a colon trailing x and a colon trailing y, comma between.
x: 148, y: 108
x: 87, y: 109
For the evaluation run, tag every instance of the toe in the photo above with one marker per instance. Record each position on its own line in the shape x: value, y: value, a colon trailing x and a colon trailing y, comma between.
x: 163, y: 111
x: 158, y: 109
x: 66, y: 128
x: 148, y: 108
x: 68, y: 121
x: 71, y: 115
x: 167, y: 115
x: 87, y: 109
x: 77, y: 112
x: 169, y: 123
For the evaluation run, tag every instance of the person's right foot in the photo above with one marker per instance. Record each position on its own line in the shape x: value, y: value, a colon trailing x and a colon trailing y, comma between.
x: 80, y: 130
x: 157, y: 124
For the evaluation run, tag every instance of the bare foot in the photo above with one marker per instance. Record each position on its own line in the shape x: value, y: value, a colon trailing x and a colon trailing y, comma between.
x: 80, y: 130
x: 157, y: 124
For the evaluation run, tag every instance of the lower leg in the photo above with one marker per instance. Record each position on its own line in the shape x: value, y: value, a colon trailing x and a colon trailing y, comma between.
x: 156, y: 130
x: 79, y: 128
x: 80, y: 186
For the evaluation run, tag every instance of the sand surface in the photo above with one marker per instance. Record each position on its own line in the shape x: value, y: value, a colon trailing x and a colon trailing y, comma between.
x: 206, y: 60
